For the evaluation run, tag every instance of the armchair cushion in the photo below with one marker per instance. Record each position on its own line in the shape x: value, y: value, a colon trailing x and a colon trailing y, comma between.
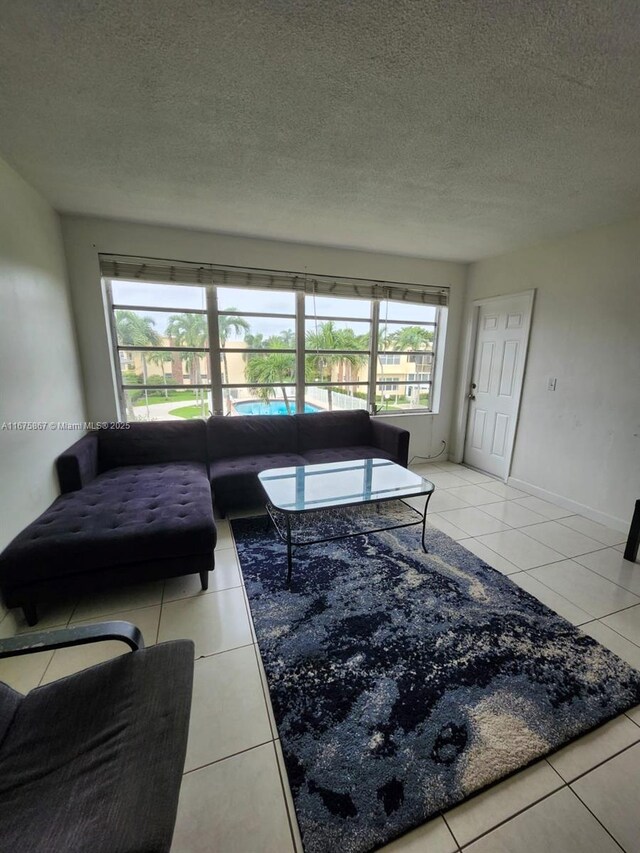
x: 9, y: 701
x: 94, y: 761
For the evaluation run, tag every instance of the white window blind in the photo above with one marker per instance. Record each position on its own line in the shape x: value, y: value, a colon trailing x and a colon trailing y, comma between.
x: 162, y: 271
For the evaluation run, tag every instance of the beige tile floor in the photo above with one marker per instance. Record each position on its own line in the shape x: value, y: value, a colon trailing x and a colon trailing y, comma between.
x: 235, y: 797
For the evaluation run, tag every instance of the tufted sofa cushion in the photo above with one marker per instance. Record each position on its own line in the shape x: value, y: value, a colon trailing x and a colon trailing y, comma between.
x: 125, y: 515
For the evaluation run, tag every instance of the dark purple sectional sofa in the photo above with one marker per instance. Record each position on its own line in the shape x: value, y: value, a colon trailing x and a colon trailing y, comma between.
x: 137, y: 499
x: 239, y: 448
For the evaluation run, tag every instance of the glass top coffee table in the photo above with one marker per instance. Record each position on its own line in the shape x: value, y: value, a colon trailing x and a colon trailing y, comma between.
x: 301, y: 498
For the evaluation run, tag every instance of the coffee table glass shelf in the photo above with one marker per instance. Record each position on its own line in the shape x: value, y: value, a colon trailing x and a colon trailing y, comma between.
x: 309, y: 504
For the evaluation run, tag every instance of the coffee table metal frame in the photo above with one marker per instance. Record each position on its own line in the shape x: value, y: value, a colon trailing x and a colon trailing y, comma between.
x: 286, y: 537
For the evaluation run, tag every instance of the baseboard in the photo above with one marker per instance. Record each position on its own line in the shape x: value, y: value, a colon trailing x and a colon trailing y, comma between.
x: 574, y: 506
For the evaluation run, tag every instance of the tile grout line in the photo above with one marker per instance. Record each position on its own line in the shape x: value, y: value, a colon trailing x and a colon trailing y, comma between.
x: 605, y: 578
x: 565, y: 557
x: 543, y: 519
x: 265, y: 691
x: 626, y: 713
x: 102, y: 616
x: 564, y: 784
x: 560, y: 595
x: 595, y: 618
x: 205, y: 655
x: 46, y: 669
x: 555, y: 592
x: 159, y: 619
x: 201, y: 593
x: 226, y: 757
x: 615, y: 630
x: 577, y: 515
x: 446, y: 823
x: 596, y: 818
x: 516, y: 813
x: 605, y: 615
x: 608, y: 758
x: 286, y: 802
x: 614, y: 613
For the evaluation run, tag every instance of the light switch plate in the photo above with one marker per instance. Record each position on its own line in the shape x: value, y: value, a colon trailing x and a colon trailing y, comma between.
x: 551, y: 383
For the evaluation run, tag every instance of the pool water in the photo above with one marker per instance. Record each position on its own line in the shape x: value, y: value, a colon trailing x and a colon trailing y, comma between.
x: 275, y: 407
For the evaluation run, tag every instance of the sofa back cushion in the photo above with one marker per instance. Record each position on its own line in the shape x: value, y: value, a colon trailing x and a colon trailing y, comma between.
x: 152, y: 443
x: 332, y: 429
x: 250, y: 435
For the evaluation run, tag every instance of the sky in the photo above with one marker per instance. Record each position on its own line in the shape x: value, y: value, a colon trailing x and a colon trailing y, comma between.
x: 185, y: 297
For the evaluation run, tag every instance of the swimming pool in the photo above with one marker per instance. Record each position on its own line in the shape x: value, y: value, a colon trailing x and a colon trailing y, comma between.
x: 274, y: 407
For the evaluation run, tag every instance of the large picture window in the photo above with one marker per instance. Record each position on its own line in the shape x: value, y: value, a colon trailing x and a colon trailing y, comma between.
x: 194, y: 349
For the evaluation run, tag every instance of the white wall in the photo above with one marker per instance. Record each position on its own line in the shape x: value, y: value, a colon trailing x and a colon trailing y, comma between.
x: 39, y: 372
x: 581, y: 442
x: 86, y: 237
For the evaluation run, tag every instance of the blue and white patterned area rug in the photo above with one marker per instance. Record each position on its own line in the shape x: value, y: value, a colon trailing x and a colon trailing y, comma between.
x: 402, y: 682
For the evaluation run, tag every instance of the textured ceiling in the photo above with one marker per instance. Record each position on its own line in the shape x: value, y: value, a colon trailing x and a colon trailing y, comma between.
x: 432, y: 128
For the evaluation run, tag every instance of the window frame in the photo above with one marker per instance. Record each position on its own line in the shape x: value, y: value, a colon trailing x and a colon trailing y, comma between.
x: 213, y: 351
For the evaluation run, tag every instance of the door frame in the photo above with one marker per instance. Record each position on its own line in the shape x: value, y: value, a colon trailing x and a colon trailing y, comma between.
x: 470, y: 332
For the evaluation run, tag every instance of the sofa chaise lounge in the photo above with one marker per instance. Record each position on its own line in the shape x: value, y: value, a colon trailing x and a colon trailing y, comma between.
x: 135, y: 506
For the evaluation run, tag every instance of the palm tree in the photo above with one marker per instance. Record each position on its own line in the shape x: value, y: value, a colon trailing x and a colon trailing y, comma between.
x: 159, y: 358
x: 286, y: 339
x: 254, y: 341
x: 328, y: 337
x: 135, y: 330
x: 190, y: 330
x: 226, y: 325
x: 276, y: 369
x: 411, y: 338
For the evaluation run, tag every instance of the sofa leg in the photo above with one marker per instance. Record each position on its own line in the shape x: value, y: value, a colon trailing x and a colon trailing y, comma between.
x: 204, y: 580
x: 30, y: 613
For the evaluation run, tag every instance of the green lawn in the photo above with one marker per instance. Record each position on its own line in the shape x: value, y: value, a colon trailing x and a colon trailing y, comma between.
x: 158, y: 397
x: 189, y: 412
x: 393, y: 405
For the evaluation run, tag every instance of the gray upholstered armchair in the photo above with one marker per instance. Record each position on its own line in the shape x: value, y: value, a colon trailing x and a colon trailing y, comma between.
x: 93, y: 762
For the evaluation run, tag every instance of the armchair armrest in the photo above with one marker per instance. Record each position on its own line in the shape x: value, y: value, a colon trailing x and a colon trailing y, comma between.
x: 78, y: 465
x: 44, y: 641
x: 392, y: 439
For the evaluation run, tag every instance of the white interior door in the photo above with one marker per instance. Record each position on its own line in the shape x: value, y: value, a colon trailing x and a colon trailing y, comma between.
x: 496, y: 382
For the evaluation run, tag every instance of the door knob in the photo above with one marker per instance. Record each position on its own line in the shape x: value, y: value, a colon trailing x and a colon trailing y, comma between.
x: 471, y: 396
